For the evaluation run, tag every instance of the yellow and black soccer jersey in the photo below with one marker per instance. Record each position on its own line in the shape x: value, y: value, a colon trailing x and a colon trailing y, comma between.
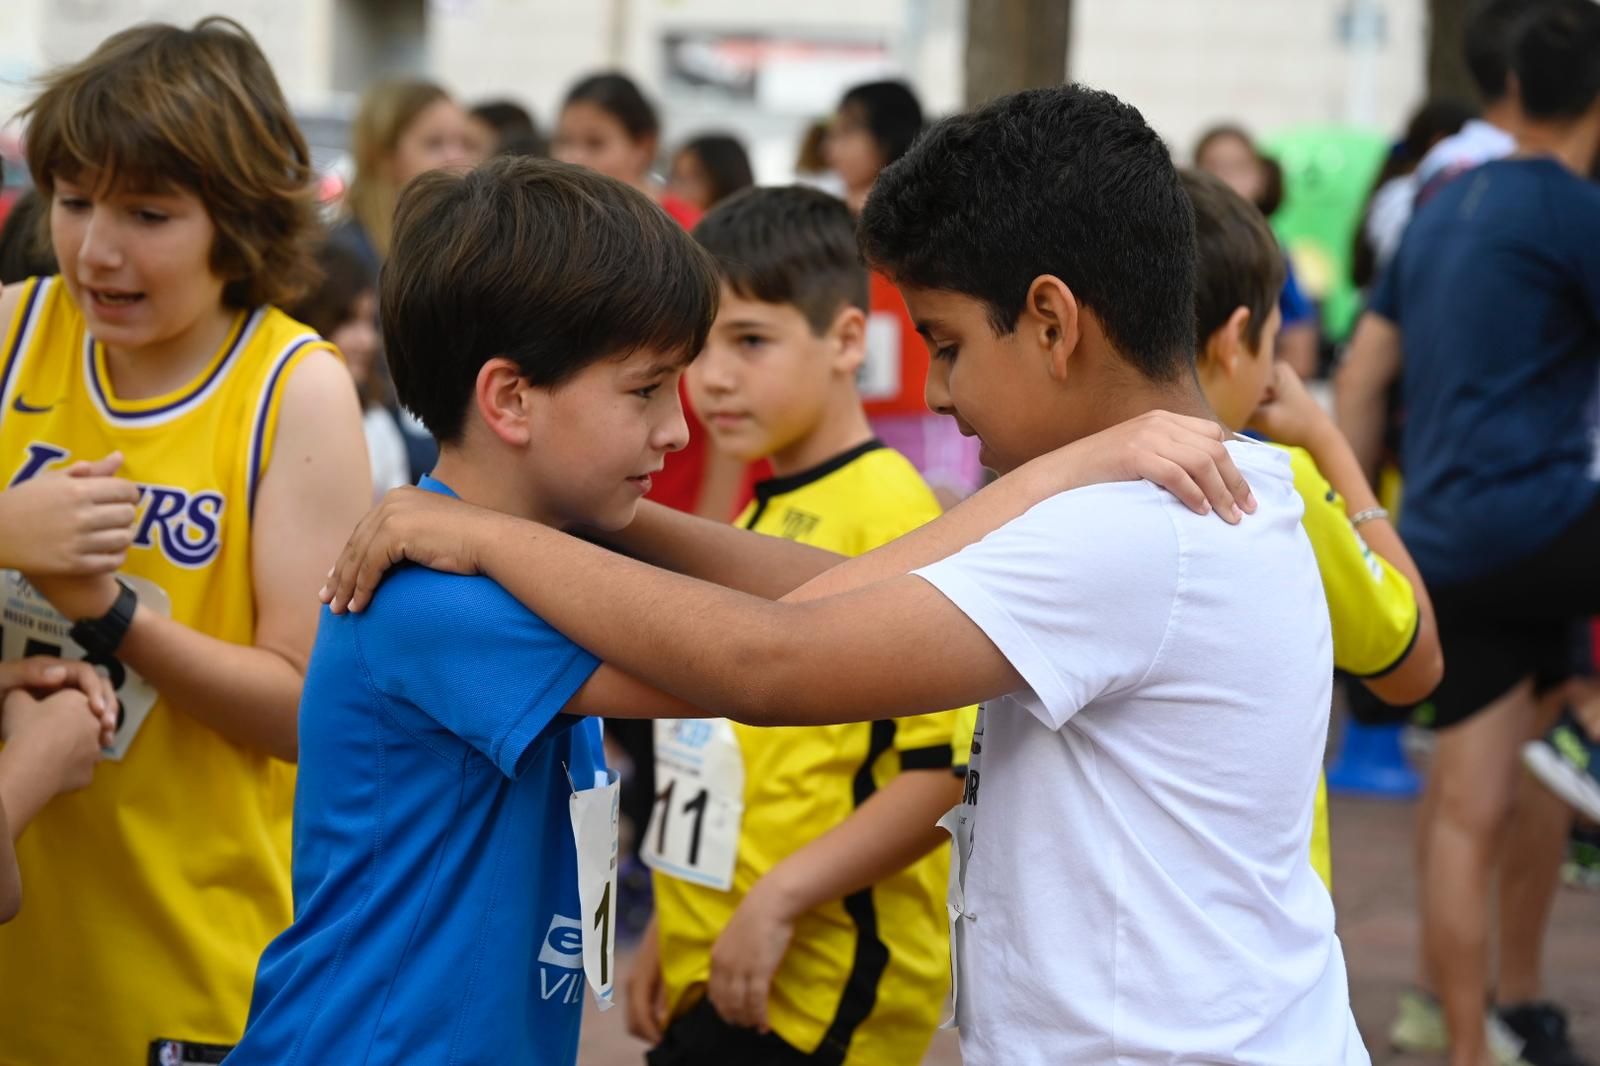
x: 1372, y: 607
x: 150, y: 894
x: 867, y: 975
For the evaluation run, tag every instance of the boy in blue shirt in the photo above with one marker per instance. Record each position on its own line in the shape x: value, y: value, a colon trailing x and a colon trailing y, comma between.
x: 437, y: 909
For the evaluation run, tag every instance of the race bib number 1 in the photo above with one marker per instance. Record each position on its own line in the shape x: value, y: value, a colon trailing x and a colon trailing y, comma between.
x: 594, y: 832
x: 694, y: 826
x: 30, y: 626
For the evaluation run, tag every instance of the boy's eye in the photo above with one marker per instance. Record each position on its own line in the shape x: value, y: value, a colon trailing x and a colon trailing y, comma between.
x: 647, y: 392
x: 947, y: 353
x: 752, y: 341
x: 73, y: 203
x: 145, y: 214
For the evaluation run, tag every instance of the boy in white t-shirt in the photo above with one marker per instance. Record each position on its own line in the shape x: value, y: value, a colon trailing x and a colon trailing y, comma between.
x: 1133, y: 884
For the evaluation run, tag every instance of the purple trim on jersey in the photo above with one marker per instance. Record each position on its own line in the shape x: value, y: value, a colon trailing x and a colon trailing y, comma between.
x: 258, y: 438
x: 14, y: 356
x: 216, y: 372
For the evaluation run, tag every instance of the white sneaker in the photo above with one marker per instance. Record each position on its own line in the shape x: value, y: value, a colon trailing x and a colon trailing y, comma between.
x: 1419, y: 1029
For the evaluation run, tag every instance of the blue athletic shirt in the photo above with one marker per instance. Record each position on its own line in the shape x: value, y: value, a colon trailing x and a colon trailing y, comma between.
x: 1496, y: 290
x: 436, y: 913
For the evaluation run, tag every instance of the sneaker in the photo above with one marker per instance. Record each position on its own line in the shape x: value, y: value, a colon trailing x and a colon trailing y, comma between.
x: 1582, y: 866
x: 1543, y: 1029
x: 1419, y: 1029
x: 1568, y: 762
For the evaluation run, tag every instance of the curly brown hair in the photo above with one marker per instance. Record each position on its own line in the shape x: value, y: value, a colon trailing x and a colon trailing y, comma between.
x: 158, y: 107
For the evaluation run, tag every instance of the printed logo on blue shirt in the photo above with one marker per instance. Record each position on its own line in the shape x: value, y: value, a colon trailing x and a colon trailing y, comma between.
x: 563, y: 949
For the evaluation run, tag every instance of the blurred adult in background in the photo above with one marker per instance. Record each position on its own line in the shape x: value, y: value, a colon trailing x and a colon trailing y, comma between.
x: 811, y: 159
x: 24, y: 246
x: 874, y: 126
x: 344, y: 310
x: 1226, y: 151
x: 1389, y: 204
x: 608, y: 125
x: 504, y: 127
x: 710, y: 168
x: 403, y: 128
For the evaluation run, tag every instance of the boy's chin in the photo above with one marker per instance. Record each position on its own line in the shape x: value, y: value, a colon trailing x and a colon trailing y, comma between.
x: 614, y: 519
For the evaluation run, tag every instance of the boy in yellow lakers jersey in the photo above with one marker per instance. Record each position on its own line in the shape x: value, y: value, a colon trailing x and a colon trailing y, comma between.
x: 801, y: 864
x: 180, y: 210
x: 1383, y: 630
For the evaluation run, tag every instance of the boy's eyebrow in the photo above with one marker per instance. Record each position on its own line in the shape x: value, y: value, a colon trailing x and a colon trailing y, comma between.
x: 928, y: 327
x: 747, y: 323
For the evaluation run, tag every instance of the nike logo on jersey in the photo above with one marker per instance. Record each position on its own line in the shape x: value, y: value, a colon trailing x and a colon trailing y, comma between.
x: 23, y: 407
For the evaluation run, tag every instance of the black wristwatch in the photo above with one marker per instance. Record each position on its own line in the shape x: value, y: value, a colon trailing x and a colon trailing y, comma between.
x: 101, y: 637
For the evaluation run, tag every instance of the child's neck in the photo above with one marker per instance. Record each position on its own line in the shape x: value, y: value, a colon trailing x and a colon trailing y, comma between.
x: 843, y: 426
x: 157, y: 369
x: 1135, y: 395
x: 479, y: 480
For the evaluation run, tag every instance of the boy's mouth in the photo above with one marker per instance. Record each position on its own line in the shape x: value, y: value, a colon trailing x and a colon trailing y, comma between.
x: 114, y: 297
x: 726, y: 419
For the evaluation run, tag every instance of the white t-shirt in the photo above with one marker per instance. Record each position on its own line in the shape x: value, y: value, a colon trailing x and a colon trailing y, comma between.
x: 386, y: 449
x: 1138, y: 888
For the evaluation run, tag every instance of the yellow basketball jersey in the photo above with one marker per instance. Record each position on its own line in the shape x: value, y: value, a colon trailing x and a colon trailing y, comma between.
x: 149, y: 895
x: 865, y: 977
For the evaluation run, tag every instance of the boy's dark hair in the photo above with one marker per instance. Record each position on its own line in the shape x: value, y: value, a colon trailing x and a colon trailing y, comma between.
x: 1238, y: 262
x: 725, y: 162
x: 1556, y: 58
x: 24, y: 240
x: 788, y: 245
x: 157, y: 107
x: 617, y: 95
x: 1066, y: 181
x: 891, y: 113
x: 1487, y: 41
x: 551, y: 266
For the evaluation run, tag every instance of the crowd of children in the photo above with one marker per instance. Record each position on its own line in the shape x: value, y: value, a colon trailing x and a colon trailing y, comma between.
x: 1043, y: 762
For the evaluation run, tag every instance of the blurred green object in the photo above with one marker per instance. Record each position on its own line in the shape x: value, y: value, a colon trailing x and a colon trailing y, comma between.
x: 1327, y: 173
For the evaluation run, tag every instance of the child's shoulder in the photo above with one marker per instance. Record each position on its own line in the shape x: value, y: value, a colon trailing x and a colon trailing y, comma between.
x: 416, y: 601
x: 883, y: 485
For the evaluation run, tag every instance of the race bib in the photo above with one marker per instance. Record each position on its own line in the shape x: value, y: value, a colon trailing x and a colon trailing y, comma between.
x: 30, y: 626
x: 959, y: 821
x: 694, y: 826
x: 594, y: 831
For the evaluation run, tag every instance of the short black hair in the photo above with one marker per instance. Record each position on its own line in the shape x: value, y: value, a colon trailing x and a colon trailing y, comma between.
x: 345, y: 276
x: 25, y: 250
x: 1068, y: 181
x: 506, y: 117
x: 1238, y: 262
x: 1556, y: 57
x: 1486, y: 43
x: 618, y: 96
x: 552, y: 266
x: 725, y: 162
x: 788, y: 245
x: 891, y: 113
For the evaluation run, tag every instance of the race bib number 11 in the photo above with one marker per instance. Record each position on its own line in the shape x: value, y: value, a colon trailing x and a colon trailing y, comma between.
x: 694, y: 826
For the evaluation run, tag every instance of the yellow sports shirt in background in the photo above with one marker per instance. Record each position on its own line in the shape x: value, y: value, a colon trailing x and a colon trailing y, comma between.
x: 149, y: 895
x: 1372, y: 607
x: 866, y: 975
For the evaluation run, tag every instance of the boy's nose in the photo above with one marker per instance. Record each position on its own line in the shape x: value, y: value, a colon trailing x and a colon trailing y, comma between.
x: 936, y: 390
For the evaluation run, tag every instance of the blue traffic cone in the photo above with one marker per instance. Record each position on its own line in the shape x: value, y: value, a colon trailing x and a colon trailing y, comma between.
x: 1372, y: 763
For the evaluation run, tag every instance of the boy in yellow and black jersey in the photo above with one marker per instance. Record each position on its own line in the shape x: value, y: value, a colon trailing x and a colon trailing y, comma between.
x: 799, y: 876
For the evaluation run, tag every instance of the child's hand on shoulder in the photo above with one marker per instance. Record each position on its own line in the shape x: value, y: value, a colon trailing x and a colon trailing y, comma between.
x: 1182, y: 454
x: 410, y: 525
x: 1289, y: 414
x: 747, y: 955
x: 58, y: 737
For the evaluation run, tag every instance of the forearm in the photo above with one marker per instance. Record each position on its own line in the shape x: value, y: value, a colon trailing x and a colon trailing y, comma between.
x: 25, y: 787
x: 720, y: 553
x: 970, y: 521
x: 1415, y: 675
x: 10, y: 876
x: 894, y: 828
x: 249, y: 695
x: 1361, y: 391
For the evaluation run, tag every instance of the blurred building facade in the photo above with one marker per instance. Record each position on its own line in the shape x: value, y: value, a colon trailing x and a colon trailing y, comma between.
x: 764, y: 69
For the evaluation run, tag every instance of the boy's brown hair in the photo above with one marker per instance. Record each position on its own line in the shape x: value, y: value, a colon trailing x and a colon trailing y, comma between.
x: 158, y: 107
x: 550, y: 265
x: 1239, y: 264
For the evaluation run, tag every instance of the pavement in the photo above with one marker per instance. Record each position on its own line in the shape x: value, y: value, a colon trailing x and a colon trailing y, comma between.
x: 1373, y: 891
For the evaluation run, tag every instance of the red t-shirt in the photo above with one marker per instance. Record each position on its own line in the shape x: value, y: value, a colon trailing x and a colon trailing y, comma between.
x: 903, y: 349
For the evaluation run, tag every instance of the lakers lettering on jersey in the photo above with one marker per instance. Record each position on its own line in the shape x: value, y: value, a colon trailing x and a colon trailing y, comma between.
x: 151, y: 893
x: 865, y: 977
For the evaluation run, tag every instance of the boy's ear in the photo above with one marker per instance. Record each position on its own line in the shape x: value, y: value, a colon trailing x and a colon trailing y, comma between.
x: 505, y: 402
x: 847, y: 339
x: 1051, y: 319
x: 1228, y: 342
